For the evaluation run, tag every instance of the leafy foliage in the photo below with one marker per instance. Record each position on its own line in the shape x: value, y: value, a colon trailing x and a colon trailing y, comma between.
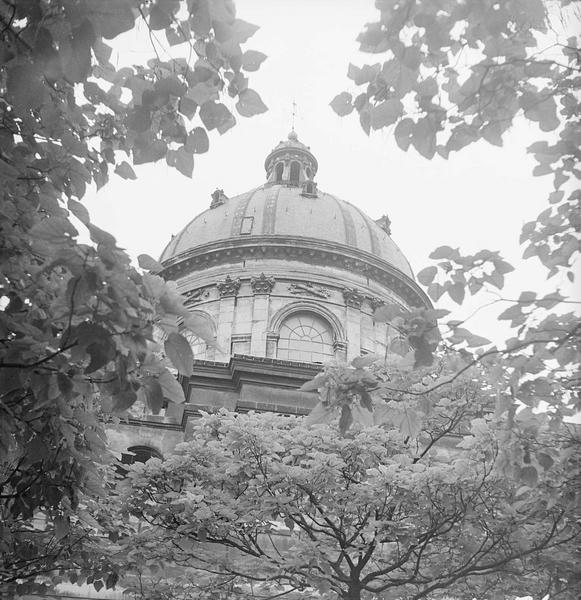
x: 455, y: 73
x: 76, y: 319
x: 262, y: 500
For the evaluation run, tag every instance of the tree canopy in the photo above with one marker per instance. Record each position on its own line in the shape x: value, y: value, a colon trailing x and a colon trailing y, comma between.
x: 261, y: 504
x: 76, y: 318
x: 454, y: 73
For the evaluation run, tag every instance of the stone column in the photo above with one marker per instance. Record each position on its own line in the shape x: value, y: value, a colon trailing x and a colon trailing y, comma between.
x: 353, y: 301
x: 261, y: 288
x: 228, y: 291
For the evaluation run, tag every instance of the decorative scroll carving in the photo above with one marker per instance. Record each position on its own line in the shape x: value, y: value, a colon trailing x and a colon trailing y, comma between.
x: 194, y: 296
x: 262, y: 284
x: 353, y: 297
x: 309, y: 289
x: 228, y: 287
x: 385, y: 223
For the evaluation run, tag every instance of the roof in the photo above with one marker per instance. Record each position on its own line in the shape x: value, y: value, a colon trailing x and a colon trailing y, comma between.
x: 282, y: 211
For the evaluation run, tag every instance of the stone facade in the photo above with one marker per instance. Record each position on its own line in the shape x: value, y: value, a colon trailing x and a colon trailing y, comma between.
x: 289, y: 278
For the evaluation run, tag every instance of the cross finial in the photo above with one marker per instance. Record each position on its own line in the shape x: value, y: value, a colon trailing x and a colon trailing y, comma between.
x: 294, y: 113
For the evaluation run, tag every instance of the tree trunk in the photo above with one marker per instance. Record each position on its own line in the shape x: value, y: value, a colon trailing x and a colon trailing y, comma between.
x: 353, y: 592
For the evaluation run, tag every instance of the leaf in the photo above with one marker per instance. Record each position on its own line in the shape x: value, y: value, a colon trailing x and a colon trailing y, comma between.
x: 545, y: 460
x: 436, y: 291
x: 457, y: 292
x: 424, y: 137
x: 365, y: 400
x: 201, y: 325
x: 171, y: 389
x: 154, y: 285
x: 320, y: 414
x: 444, y: 252
x: 313, y: 384
x: 197, y: 141
x: 387, y: 312
x: 242, y: 30
x: 252, y: 59
x: 403, y: 133
x: 56, y: 230
x: 149, y: 264
x: 158, y: 18
x: 180, y: 353
x: 342, y: 104
x: 153, y: 394
x: 216, y: 116
x: 386, y: 113
x: 426, y: 276
x: 250, y: 104
x: 411, y: 423
x: 364, y: 361
x: 476, y: 340
x: 187, y: 107
x: 99, y: 236
x: 79, y: 210
x: 346, y: 419
x: 125, y: 170
x: 182, y: 160
x: 111, y: 17
x: 365, y: 74
x: 529, y: 476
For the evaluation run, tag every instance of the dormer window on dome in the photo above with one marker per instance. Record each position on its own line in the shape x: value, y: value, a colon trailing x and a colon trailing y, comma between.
x: 291, y: 163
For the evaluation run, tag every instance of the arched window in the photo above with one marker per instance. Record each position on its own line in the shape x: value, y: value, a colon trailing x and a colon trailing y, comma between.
x: 309, y: 173
x: 305, y: 337
x: 278, y: 172
x: 295, y: 170
x: 143, y: 453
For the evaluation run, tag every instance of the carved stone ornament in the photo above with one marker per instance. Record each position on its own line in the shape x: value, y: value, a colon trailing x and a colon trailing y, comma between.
x: 194, y: 296
x: 310, y: 289
x: 228, y: 287
x: 385, y: 223
x: 375, y: 302
x: 353, y: 297
x: 218, y: 198
x: 262, y: 284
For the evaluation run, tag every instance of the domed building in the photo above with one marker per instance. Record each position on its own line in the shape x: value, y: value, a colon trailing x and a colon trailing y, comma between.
x: 287, y: 277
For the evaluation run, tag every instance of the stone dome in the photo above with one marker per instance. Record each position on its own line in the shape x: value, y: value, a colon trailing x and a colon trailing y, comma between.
x: 279, y: 210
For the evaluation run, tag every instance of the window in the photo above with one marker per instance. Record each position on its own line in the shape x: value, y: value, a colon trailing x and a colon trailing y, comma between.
x: 309, y: 173
x: 278, y: 171
x: 246, y: 226
x: 305, y: 337
x: 295, y: 170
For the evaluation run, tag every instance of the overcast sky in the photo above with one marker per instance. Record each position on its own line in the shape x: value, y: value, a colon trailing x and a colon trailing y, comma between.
x: 479, y: 198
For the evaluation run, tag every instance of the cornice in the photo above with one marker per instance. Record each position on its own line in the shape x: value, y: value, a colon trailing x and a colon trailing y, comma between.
x: 307, y: 250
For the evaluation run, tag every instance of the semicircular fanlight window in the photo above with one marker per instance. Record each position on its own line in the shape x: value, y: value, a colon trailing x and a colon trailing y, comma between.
x: 305, y: 337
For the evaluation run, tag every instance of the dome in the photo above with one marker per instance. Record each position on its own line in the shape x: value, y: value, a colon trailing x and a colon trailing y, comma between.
x: 283, y: 211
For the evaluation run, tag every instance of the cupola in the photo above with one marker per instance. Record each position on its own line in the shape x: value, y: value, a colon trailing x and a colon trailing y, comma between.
x: 292, y: 163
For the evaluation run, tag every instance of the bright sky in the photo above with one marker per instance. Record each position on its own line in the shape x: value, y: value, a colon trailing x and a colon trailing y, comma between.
x: 477, y: 199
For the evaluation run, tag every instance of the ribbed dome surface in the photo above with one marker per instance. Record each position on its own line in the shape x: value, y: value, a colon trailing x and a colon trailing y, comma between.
x: 280, y: 210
